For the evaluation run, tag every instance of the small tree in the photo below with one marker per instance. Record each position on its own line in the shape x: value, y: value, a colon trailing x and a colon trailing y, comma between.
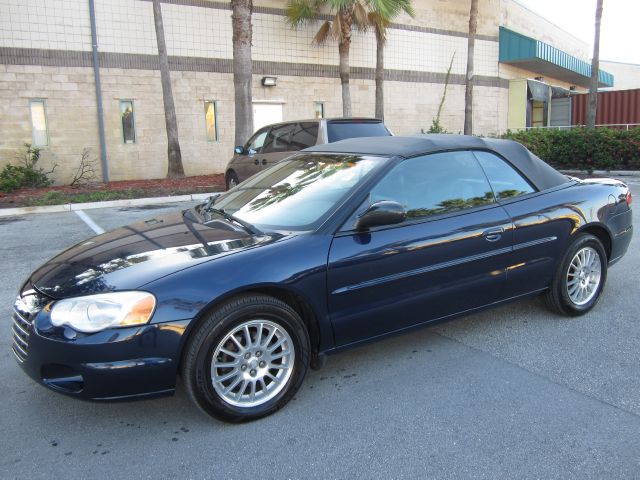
x: 595, y: 65
x: 436, y: 127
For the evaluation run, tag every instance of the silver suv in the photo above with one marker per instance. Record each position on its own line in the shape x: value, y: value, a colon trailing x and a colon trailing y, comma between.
x: 275, y: 142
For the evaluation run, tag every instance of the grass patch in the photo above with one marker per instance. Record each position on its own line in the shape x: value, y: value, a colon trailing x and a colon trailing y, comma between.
x: 63, y: 197
x: 60, y: 198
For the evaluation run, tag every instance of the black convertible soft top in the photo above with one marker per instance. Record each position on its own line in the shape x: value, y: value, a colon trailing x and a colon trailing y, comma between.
x: 542, y: 175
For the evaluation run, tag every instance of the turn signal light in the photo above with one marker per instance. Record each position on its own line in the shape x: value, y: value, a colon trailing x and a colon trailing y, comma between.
x: 629, y: 198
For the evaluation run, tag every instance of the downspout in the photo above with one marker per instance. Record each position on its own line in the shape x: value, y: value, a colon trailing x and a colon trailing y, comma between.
x: 96, y: 74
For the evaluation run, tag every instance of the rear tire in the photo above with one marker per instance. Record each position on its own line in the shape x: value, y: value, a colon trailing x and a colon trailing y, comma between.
x: 246, y: 359
x: 579, y: 278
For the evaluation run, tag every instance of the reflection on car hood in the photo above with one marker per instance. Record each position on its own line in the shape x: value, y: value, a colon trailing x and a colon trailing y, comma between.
x: 131, y: 256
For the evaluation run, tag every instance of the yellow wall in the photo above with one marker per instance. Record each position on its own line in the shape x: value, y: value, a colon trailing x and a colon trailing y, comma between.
x: 517, y: 117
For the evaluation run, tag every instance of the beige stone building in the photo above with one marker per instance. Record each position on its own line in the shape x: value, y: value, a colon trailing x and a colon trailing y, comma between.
x: 48, y: 87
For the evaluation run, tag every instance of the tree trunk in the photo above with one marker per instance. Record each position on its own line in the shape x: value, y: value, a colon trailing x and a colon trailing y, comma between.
x: 174, y: 156
x: 595, y: 65
x: 379, y: 74
x: 468, y: 93
x: 343, y: 49
x: 242, y: 68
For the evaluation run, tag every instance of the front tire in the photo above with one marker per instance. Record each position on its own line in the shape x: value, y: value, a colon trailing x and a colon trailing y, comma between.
x: 232, y: 179
x: 580, y: 277
x: 246, y: 359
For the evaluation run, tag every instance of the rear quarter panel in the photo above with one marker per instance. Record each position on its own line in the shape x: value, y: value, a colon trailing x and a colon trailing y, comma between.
x: 545, y: 224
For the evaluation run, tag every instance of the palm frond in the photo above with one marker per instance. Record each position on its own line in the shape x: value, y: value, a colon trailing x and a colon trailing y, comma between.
x: 337, y: 5
x: 323, y: 33
x: 300, y: 12
x: 391, y: 8
x: 360, y: 17
x: 379, y: 24
x: 336, y: 28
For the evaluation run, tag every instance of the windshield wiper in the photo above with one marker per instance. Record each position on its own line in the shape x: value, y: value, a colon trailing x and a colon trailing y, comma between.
x: 227, y: 216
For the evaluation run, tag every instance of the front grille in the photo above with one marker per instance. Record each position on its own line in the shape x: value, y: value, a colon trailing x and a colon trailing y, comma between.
x: 21, y: 329
x: 27, y: 306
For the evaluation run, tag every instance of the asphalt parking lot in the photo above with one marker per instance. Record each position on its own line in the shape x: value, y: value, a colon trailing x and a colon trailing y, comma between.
x: 514, y: 392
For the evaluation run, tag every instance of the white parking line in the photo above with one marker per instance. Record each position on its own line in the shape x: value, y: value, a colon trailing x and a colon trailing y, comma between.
x: 87, y: 219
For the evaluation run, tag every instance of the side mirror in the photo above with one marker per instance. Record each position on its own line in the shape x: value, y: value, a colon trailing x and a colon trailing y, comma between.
x: 239, y: 150
x: 384, y: 212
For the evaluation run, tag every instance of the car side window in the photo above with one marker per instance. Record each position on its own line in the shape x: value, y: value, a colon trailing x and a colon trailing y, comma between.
x: 304, y: 136
x: 505, y: 181
x: 279, y: 139
x: 435, y: 184
x: 257, y: 141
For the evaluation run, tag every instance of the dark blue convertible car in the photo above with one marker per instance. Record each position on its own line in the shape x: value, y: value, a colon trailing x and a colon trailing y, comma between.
x: 335, y: 246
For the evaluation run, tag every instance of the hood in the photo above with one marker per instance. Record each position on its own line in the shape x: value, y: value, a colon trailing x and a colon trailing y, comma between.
x: 132, y: 256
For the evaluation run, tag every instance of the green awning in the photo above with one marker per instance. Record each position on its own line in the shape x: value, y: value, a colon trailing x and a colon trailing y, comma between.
x: 539, y: 57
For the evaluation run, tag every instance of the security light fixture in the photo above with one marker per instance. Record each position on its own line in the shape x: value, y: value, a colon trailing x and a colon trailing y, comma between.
x: 269, y: 81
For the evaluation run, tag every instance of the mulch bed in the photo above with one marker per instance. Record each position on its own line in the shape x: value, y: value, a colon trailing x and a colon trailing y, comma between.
x: 143, y: 188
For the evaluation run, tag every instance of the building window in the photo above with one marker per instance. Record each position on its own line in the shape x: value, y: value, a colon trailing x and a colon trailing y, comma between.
x: 211, y: 120
x: 39, y: 132
x: 128, y: 121
x: 318, y: 108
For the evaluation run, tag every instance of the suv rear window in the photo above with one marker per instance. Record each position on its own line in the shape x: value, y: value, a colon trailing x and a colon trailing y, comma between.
x: 340, y: 130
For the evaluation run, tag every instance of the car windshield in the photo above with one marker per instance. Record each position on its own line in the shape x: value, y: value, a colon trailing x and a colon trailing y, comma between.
x: 297, y: 193
x: 341, y: 130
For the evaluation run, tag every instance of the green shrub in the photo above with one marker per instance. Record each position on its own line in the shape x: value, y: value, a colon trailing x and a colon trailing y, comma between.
x: 26, y: 174
x: 579, y: 148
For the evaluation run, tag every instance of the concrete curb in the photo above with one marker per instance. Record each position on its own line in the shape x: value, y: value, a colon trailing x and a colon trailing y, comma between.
x: 132, y: 202
x: 609, y: 173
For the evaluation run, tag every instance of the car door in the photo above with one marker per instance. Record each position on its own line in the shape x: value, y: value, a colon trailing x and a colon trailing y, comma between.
x: 277, y: 145
x: 248, y: 164
x: 542, y: 223
x: 449, y: 256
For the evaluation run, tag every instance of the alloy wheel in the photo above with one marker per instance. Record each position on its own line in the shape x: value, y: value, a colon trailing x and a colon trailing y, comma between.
x: 252, y: 363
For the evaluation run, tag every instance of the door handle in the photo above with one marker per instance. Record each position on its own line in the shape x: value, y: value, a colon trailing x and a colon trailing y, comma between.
x: 264, y: 161
x: 256, y: 162
x: 493, y: 235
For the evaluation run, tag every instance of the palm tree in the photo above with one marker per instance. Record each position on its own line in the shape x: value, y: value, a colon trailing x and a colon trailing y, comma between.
x: 380, y: 22
x: 175, y: 168
x: 348, y: 13
x: 468, y: 93
x: 595, y: 65
x: 242, y: 68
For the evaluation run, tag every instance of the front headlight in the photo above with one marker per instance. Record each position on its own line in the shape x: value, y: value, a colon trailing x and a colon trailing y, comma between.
x: 98, y: 312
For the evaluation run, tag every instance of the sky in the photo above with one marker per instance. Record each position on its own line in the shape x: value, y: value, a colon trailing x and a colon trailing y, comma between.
x: 619, y: 31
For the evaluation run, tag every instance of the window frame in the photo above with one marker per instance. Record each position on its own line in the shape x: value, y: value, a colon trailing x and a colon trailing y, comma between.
x: 43, y: 101
x: 345, y: 228
x: 291, y: 126
x: 215, y: 121
x: 299, y: 125
x: 258, y: 132
x: 315, y: 112
x: 133, y: 115
x: 505, y: 201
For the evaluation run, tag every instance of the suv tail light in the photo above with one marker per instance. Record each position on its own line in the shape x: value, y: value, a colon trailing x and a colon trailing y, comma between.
x: 629, y: 198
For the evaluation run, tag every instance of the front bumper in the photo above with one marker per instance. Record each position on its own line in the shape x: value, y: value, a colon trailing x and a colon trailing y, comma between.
x: 109, y: 365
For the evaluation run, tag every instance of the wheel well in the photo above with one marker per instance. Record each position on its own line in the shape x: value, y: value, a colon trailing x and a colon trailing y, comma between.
x: 229, y: 172
x: 601, y: 234
x: 294, y: 301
